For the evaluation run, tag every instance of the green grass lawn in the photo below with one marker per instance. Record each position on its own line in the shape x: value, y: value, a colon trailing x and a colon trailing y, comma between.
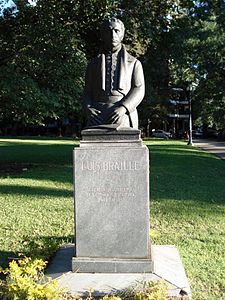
x: 187, y: 204
x: 37, y: 204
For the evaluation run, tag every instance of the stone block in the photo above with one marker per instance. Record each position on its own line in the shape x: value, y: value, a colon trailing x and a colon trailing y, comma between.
x: 112, y: 208
x: 167, y: 266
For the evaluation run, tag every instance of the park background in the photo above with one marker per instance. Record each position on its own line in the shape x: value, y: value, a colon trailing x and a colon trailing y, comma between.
x: 45, y: 47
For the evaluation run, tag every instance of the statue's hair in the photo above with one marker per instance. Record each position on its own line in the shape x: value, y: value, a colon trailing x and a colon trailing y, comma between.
x: 107, y: 22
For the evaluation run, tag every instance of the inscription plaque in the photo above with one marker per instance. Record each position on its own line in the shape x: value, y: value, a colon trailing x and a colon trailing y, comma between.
x: 110, y: 165
x: 112, y: 208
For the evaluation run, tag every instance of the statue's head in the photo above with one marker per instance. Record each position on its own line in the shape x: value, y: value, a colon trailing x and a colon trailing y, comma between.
x: 112, y: 33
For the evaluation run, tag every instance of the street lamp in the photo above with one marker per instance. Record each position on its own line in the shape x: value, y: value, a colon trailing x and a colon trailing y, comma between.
x: 189, y: 89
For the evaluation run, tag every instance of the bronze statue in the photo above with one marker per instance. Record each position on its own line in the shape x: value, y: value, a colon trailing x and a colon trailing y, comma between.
x: 114, y: 81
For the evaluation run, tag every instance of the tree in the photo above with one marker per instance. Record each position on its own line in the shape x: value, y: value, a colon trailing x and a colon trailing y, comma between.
x: 42, y: 65
x: 199, y: 40
x: 45, y: 49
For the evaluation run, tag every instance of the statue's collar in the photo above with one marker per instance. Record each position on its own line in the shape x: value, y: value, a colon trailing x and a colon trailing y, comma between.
x: 124, y: 57
x: 109, y: 52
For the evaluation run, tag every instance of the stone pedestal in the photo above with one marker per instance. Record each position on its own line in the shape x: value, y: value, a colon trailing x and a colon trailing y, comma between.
x: 112, y: 203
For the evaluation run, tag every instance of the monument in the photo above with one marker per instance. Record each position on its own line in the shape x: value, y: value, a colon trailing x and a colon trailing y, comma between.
x: 112, y: 227
x: 111, y: 174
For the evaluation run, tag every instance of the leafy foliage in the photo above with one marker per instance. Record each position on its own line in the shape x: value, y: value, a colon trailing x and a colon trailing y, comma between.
x: 23, y: 281
x: 45, y: 48
x: 199, y: 36
x: 42, y: 67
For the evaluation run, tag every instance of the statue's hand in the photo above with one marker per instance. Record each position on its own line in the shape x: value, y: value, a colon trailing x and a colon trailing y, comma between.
x: 116, y: 114
x: 94, y: 116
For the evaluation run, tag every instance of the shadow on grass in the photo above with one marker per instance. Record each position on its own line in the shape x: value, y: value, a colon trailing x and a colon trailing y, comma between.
x: 177, y: 172
x: 53, y: 173
x: 46, y: 159
x: 41, y: 247
x: 185, y: 173
x: 35, y: 191
x: 57, y: 154
x: 183, y: 154
x: 5, y: 257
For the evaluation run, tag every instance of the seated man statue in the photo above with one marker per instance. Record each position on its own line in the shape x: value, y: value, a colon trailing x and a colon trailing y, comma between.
x: 114, y: 81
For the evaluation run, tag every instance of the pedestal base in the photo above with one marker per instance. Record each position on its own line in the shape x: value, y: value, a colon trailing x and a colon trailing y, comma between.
x: 111, y: 265
x: 111, y: 176
x: 167, y: 266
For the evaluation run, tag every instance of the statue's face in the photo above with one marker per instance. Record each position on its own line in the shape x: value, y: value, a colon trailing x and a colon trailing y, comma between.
x: 112, y: 35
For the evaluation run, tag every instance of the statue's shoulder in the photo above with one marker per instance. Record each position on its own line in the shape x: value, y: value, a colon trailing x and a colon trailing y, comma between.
x: 129, y: 57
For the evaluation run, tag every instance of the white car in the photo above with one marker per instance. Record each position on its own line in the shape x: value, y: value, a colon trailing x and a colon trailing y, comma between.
x: 161, y: 134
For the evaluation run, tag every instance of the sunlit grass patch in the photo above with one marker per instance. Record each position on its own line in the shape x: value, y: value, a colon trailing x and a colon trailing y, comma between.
x: 187, y: 205
x: 187, y: 210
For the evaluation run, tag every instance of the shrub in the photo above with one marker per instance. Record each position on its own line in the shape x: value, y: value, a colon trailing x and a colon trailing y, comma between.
x: 25, y: 280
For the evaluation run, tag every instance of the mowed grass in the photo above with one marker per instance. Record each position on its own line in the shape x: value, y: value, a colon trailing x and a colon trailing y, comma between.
x: 188, y: 211
x: 187, y: 205
x: 36, y: 205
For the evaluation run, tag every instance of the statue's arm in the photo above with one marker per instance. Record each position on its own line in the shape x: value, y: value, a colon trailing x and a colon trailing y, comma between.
x: 137, y: 91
